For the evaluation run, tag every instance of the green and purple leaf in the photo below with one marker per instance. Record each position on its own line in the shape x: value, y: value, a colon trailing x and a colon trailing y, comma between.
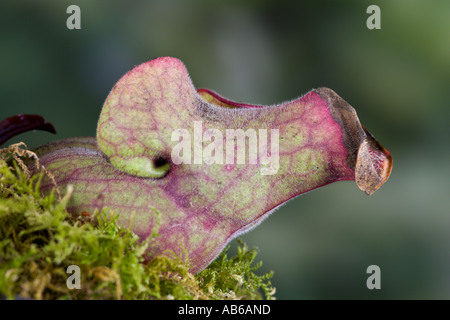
x: 129, y: 166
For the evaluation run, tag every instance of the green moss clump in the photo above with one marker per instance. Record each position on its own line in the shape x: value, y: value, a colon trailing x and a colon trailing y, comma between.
x: 235, y: 278
x: 39, y: 240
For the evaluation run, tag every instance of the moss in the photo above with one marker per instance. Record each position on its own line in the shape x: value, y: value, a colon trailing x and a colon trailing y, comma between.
x: 235, y: 278
x: 39, y: 240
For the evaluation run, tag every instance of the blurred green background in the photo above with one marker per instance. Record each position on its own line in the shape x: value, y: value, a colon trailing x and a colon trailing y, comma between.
x: 397, y: 78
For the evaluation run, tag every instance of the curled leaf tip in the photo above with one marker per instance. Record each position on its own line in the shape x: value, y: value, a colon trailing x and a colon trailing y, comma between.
x: 373, y: 165
x: 21, y: 123
x: 371, y: 162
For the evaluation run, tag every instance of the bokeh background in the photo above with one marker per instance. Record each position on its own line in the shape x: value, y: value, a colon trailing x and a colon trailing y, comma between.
x: 397, y: 78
